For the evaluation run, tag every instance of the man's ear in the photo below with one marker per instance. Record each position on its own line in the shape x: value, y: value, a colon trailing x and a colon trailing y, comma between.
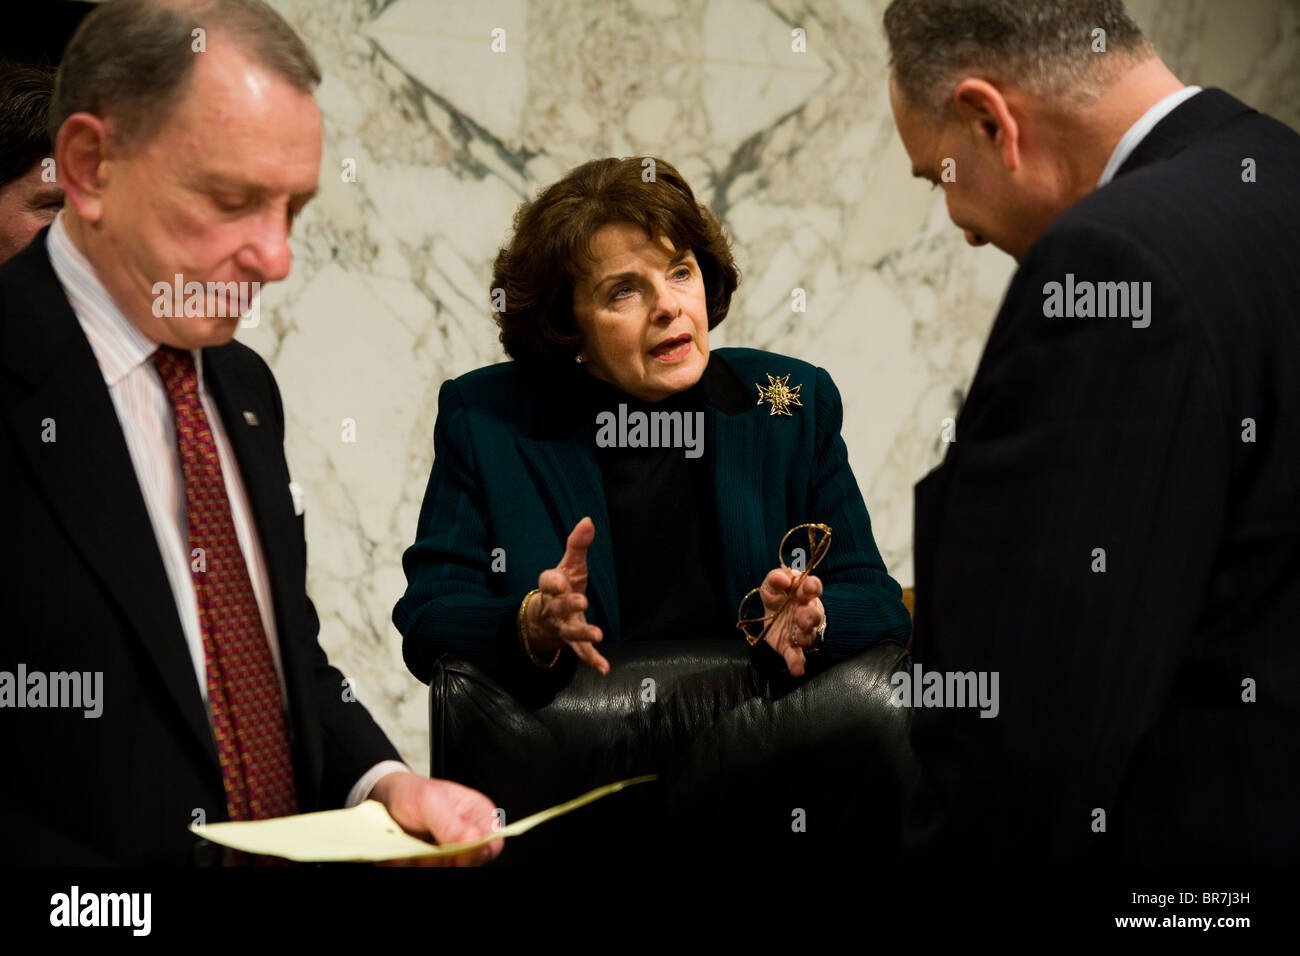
x: 983, y: 110
x: 81, y: 158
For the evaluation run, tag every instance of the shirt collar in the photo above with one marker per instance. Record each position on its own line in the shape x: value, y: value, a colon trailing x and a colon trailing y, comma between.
x: 119, y: 346
x: 1139, y: 130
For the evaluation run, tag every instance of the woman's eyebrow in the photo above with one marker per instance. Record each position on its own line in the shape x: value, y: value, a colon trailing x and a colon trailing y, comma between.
x: 618, y: 276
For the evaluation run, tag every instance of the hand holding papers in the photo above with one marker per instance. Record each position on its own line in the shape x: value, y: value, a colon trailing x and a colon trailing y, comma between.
x: 366, y: 833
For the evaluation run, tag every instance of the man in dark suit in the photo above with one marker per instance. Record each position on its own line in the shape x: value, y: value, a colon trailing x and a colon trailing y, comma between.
x: 1115, y: 530
x: 160, y: 663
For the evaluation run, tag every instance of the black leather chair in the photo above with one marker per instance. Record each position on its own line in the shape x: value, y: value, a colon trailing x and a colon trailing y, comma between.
x: 751, y: 762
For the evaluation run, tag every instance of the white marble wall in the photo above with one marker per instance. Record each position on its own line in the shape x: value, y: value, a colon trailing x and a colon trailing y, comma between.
x: 795, y: 151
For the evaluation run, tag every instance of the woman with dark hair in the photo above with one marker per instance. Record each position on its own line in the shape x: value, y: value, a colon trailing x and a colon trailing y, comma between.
x: 661, y: 475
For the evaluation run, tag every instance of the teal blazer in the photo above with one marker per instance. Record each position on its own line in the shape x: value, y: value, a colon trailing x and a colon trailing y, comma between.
x: 512, y: 474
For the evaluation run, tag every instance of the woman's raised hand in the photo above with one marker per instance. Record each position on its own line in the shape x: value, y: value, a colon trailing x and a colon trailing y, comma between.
x: 557, y: 615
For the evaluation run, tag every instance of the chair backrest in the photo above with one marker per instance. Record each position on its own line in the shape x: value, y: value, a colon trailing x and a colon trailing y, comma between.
x: 716, y: 727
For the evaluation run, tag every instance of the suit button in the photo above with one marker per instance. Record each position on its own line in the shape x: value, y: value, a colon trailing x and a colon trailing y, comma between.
x: 207, y: 853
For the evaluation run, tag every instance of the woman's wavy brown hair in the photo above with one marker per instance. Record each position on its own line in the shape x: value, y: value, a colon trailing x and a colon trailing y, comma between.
x: 551, y: 250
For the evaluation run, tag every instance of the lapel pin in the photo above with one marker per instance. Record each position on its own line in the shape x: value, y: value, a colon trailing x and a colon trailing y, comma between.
x: 779, y: 394
x: 251, y: 418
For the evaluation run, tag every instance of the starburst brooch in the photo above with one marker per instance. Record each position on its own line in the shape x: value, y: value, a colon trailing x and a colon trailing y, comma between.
x: 780, y: 394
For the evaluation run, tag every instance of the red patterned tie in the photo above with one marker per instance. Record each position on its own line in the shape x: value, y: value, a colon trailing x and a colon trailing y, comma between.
x: 243, y: 689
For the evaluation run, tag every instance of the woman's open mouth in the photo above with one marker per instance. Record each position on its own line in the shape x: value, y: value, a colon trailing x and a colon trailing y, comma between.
x: 672, y: 350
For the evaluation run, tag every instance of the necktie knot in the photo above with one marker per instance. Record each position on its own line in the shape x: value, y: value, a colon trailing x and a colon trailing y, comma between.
x: 176, y: 366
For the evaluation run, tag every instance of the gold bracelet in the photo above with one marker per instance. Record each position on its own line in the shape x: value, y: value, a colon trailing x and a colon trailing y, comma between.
x: 523, y: 632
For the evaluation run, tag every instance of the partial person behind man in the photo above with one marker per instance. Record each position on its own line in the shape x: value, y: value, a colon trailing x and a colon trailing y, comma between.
x: 30, y: 196
x: 1116, y: 530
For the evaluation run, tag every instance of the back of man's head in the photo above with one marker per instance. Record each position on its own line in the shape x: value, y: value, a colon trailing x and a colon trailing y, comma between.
x: 1068, y: 50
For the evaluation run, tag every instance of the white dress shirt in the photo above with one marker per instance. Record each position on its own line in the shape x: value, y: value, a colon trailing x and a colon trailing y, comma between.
x: 145, y: 413
x: 1139, y: 130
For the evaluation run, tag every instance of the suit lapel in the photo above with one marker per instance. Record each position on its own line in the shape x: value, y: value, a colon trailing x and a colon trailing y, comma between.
x: 747, y: 554
x: 571, y: 484
x: 87, y: 476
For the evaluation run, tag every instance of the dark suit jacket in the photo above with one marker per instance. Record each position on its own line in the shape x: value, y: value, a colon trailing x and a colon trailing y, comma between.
x: 513, y: 470
x: 84, y: 589
x: 1122, y: 690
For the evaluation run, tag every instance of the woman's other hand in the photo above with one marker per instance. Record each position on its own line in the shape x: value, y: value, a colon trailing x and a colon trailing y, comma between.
x: 794, y: 627
x: 557, y: 615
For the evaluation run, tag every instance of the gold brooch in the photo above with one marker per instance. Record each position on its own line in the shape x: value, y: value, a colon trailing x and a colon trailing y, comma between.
x: 781, y: 395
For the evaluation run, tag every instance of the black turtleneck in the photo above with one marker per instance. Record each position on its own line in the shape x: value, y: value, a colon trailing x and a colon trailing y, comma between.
x: 662, y: 514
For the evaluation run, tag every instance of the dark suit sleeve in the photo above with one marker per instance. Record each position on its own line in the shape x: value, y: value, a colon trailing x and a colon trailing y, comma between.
x: 28, y: 840
x: 449, y: 606
x: 863, y: 603
x: 1082, y: 440
x: 351, y: 741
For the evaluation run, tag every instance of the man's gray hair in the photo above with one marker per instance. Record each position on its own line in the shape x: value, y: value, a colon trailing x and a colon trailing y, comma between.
x: 1045, y: 46
x: 132, y: 59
